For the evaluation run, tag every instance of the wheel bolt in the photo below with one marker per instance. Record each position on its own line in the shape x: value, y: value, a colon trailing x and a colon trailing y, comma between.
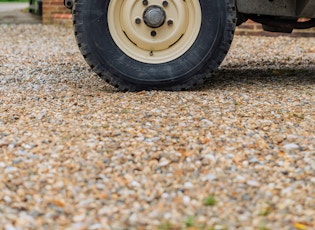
x: 145, y: 2
x: 165, y: 3
x: 138, y: 20
x: 153, y: 33
x: 170, y: 22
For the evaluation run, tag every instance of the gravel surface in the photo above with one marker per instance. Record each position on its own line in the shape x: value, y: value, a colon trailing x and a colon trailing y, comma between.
x: 236, y: 153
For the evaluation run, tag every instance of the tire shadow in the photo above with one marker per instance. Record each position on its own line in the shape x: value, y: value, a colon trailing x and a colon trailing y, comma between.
x: 227, y: 78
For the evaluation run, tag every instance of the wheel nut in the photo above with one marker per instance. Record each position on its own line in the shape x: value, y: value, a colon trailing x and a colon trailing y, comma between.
x: 138, y: 20
x: 153, y: 33
x: 165, y: 3
x: 145, y: 2
x: 170, y: 22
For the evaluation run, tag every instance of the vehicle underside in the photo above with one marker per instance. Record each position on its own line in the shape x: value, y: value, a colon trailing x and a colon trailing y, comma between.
x: 278, y: 15
x: 172, y: 44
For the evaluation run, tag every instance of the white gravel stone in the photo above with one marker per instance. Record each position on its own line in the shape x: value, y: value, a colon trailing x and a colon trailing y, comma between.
x: 291, y: 146
x: 9, y: 227
x: 253, y: 183
x: 186, y: 200
x: 209, y: 177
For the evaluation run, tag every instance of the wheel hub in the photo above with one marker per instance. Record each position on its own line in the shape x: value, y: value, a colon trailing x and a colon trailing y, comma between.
x: 154, y: 16
x: 154, y: 31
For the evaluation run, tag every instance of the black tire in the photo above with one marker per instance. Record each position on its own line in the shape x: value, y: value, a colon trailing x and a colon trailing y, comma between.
x: 127, y: 74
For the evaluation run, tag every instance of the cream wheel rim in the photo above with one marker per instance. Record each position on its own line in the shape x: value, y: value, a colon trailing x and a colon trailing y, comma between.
x: 154, y: 31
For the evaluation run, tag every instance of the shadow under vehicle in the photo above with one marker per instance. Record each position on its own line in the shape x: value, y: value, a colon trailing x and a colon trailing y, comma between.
x: 172, y: 44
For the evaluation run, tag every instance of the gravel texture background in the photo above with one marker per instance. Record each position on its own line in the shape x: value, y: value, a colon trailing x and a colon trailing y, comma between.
x: 236, y: 153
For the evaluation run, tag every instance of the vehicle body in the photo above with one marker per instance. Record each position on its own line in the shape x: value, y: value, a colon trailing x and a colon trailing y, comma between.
x: 172, y: 44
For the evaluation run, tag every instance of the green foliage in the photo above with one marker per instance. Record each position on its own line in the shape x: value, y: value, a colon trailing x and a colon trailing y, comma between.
x: 165, y: 226
x: 263, y: 228
x: 264, y: 212
x: 190, y: 222
x: 210, y: 201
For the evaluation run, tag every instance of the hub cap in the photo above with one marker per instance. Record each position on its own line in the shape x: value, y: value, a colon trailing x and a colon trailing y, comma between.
x: 154, y: 16
x: 154, y: 31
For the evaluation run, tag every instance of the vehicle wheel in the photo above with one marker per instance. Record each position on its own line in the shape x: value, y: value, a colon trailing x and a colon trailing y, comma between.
x: 154, y: 44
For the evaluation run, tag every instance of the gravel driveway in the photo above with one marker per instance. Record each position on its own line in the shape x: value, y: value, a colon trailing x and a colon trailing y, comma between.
x: 237, y: 153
